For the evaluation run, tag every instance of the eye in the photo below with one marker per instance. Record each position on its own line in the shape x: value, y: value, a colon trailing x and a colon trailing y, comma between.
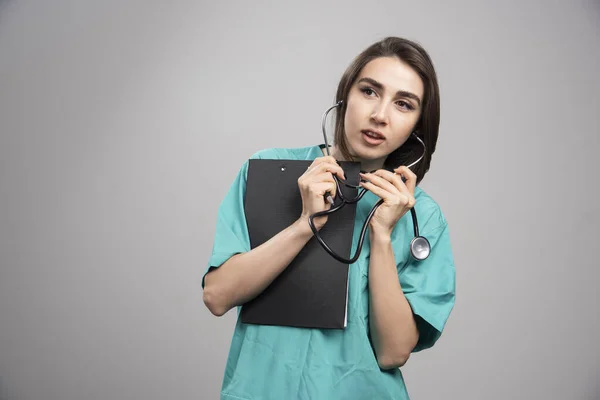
x: 368, y: 91
x: 405, y: 106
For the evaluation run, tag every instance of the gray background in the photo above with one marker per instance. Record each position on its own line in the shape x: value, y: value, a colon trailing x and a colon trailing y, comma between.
x: 123, y: 123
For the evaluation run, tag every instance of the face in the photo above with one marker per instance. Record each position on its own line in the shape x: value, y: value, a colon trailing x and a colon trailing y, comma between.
x: 383, y: 107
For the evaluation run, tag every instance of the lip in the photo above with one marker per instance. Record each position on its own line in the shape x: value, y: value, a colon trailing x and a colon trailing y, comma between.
x: 370, y: 140
x: 381, y: 135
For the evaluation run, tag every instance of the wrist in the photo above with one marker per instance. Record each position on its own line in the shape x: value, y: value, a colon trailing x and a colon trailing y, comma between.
x: 380, y: 236
x: 301, y: 228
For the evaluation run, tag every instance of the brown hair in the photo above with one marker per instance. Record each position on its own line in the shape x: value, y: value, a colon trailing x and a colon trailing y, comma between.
x: 428, y: 124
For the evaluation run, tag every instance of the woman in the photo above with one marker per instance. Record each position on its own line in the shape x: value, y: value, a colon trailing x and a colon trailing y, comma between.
x: 396, y: 305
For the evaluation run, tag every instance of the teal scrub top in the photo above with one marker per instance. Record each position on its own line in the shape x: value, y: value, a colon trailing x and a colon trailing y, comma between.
x: 277, y: 362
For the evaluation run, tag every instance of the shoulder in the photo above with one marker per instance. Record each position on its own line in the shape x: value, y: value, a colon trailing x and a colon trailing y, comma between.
x: 294, y: 153
x: 429, y: 212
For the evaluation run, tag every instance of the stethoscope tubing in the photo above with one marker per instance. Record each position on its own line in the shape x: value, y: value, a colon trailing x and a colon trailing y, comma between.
x: 419, y: 254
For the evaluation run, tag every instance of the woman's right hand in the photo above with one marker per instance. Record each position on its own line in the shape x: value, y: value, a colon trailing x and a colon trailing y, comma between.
x: 314, y: 183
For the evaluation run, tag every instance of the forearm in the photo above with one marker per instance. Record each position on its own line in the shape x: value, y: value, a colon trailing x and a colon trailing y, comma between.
x: 393, y: 328
x: 244, y: 276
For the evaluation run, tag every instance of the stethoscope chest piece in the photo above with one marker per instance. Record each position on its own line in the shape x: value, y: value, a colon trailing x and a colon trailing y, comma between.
x: 420, y: 248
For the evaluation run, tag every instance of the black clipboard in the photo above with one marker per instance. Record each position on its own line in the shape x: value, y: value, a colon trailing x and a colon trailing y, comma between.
x: 312, y: 292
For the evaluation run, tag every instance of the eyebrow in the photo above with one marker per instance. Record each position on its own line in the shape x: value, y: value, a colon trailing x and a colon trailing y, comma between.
x: 399, y: 93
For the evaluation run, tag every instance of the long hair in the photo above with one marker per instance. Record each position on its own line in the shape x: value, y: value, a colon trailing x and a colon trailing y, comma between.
x: 427, y: 126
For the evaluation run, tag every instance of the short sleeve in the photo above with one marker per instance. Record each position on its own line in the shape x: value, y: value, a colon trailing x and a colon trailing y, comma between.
x: 429, y: 285
x: 231, y: 234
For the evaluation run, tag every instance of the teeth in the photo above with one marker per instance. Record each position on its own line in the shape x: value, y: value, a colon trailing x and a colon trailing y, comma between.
x: 373, y: 135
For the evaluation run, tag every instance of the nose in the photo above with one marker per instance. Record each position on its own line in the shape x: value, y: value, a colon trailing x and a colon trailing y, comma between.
x: 379, y: 113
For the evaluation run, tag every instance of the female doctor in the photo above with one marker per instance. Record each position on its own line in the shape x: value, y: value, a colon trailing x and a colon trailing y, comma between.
x: 396, y: 305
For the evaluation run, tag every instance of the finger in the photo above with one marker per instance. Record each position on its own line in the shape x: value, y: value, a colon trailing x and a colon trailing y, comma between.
x: 322, y: 177
x: 320, y: 188
x: 321, y: 160
x: 320, y: 165
x: 396, y: 180
x: 408, y: 185
x: 409, y: 176
x: 381, y: 182
x: 329, y: 167
x: 312, y: 165
x: 326, y: 177
x: 389, y: 198
x: 378, y: 191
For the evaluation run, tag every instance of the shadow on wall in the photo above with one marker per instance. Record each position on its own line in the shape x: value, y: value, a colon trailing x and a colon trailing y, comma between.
x: 6, y: 6
x: 594, y: 6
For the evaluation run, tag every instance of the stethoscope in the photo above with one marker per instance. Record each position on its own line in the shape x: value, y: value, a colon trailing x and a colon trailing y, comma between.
x: 419, y: 245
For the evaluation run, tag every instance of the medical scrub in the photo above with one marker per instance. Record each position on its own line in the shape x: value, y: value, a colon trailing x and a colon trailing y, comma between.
x: 288, y: 363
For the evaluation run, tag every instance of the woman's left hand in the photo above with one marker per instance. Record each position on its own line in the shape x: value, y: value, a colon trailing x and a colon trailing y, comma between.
x: 398, y: 197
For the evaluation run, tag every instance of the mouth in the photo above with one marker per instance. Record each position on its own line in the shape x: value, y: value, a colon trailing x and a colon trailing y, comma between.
x: 372, y: 136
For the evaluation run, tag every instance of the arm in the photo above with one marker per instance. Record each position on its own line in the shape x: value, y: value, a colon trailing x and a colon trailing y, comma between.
x: 246, y: 275
x: 393, y: 328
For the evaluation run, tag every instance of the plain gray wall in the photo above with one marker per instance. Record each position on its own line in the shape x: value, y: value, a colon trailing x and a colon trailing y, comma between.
x: 123, y: 123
